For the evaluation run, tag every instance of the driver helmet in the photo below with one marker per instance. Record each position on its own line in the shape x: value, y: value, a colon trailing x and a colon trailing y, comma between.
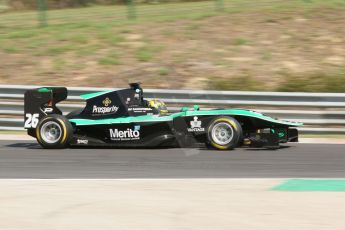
x: 158, y: 105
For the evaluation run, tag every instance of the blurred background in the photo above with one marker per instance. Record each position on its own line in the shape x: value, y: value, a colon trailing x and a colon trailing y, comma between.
x: 261, y: 45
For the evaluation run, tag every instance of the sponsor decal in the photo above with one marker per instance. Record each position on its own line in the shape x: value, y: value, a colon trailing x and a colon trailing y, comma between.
x: 107, y: 109
x: 104, y: 110
x: 125, y: 135
x: 48, y: 110
x: 82, y: 142
x: 106, y: 102
x: 195, y: 126
x: 140, y: 110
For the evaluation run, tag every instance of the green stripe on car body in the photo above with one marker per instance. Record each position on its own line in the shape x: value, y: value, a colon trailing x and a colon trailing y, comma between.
x: 155, y: 118
x: 144, y: 118
x: 241, y: 112
x: 92, y: 95
x: 44, y: 90
x: 312, y: 185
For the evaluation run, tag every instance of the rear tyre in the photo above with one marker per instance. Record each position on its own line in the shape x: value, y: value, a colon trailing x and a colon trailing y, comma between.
x: 54, y: 132
x: 224, y: 133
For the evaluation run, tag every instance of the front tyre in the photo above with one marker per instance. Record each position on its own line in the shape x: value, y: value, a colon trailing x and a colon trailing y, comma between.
x: 224, y: 133
x: 54, y: 132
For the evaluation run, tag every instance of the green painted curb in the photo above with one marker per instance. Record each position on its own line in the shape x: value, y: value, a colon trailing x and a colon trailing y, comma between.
x: 311, y: 185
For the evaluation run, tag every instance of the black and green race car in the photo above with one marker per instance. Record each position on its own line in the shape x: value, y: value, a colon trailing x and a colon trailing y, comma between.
x: 123, y: 118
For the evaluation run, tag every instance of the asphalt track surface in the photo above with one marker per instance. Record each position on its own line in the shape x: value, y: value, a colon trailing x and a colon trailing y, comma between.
x: 25, y: 159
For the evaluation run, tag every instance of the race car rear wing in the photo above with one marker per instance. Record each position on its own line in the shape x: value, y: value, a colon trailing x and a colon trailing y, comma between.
x: 41, y: 102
